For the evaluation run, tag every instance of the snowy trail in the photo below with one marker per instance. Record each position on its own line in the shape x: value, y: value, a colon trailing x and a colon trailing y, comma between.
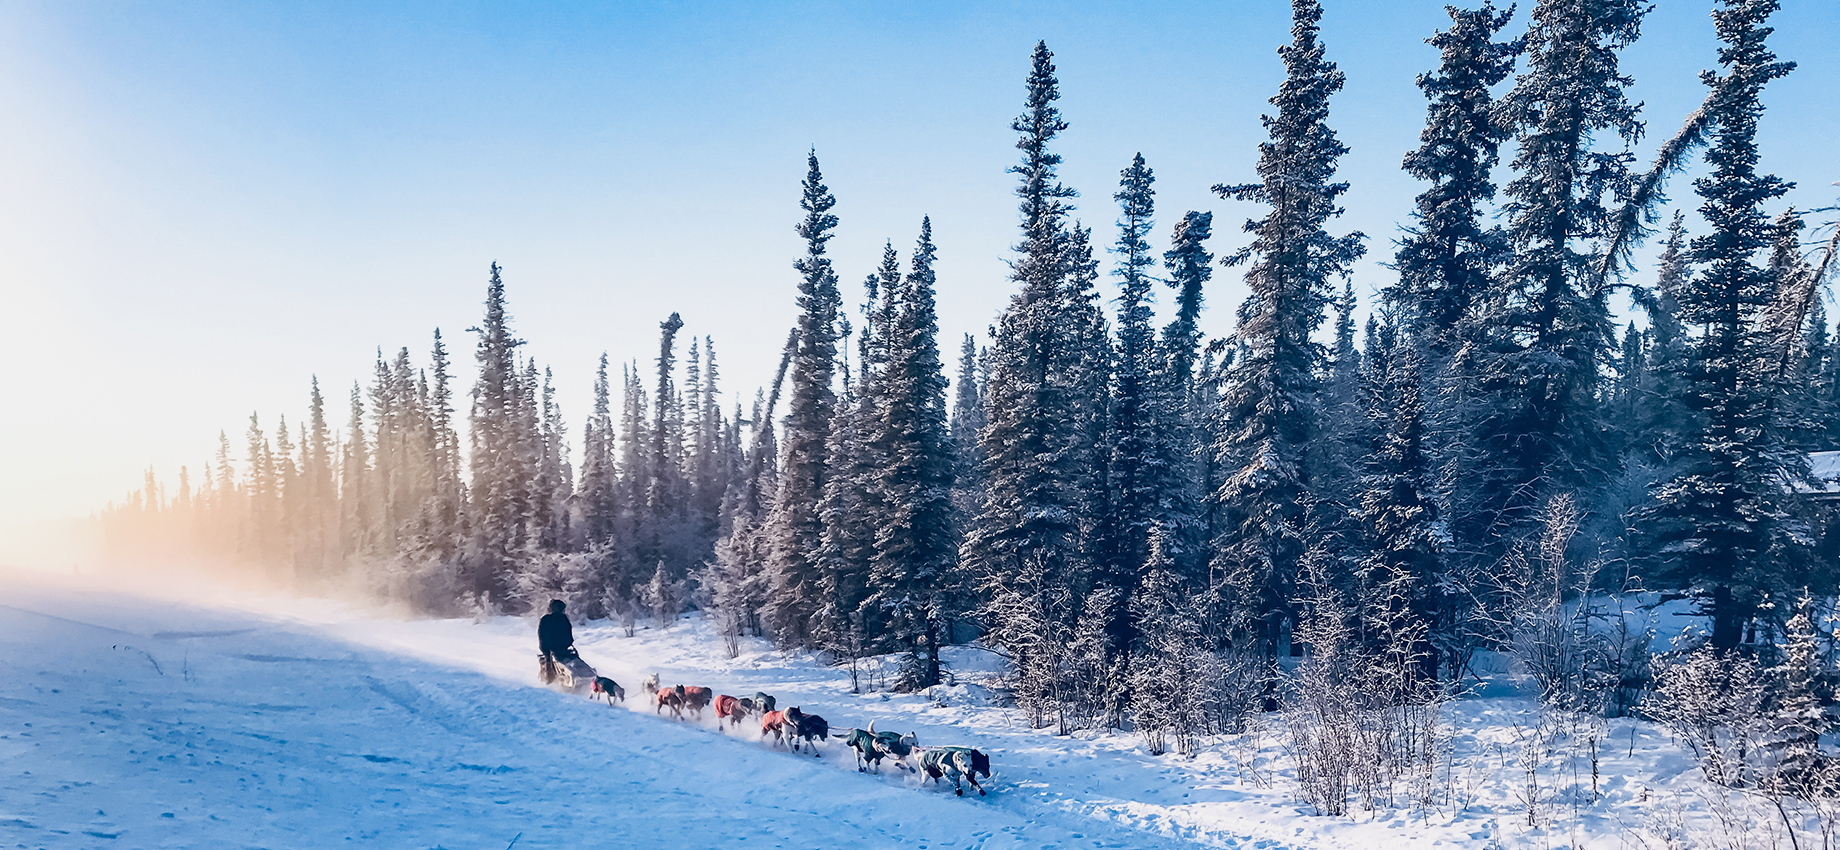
x: 137, y: 723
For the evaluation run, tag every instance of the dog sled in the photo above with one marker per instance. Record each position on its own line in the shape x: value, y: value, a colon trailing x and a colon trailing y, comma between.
x: 567, y: 674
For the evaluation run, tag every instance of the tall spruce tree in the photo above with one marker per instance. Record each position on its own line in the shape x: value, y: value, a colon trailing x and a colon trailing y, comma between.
x: 1533, y: 426
x: 1398, y: 512
x: 796, y: 530
x: 1661, y: 420
x: 1447, y: 257
x: 915, y: 544
x: 448, y: 508
x: 498, y: 488
x: 354, y: 480
x: 599, y: 474
x: 554, y: 485
x: 1190, y: 267
x: 1138, y: 477
x: 852, y: 505
x: 663, y: 526
x: 1026, y: 545
x: 1722, y: 521
x: 1269, y: 401
x: 1178, y: 440
x: 321, y: 525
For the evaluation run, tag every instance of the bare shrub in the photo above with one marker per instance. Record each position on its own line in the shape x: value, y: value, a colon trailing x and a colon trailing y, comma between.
x: 1182, y: 690
x: 1359, y: 720
x: 1713, y: 702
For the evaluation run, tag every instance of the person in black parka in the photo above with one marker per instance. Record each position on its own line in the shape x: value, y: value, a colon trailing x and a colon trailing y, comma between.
x: 555, y: 639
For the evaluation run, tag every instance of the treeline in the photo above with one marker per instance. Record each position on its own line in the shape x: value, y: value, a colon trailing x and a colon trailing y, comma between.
x: 1144, y: 520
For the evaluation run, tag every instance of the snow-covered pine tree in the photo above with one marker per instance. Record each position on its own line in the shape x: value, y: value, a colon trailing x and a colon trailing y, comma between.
x: 1661, y: 422
x: 1532, y: 426
x: 1801, y: 676
x: 1722, y: 522
x: 1139, y: 476
x: 967, y: 423
x: 387, y: 421
x: 1622, y: 396
x: 1345, y: 438
x: 598, y: 491
x: 259, y: 543
x: 355, y: 524
x: 850, y: 506
x: 554, y: 483
x: 287, y: 504
x: 1087, y: 374
x: 1167, y: 668
x: 915, y: 542
x: 1026, y: 544
x: 1182, y: 407
x: 320, y: 525
x: 795, y: 530
x: 709, y: 469
x: 447, y: 508
x: 1811, y: 377
x: 1447, y: 256
x: 664, y: 528
x: 415, y: 444
x: 525, y: 463
x: 1269, y: 400
x: 498, y: 488
x: 1398, y: 513
x: 737, y: 580
x: 1190, y: 267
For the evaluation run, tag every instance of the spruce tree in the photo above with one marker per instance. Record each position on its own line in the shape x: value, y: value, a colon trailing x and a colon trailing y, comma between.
x: 915, y: 544
x: 662, y: 526
x: 851, y: 505
x: 448, y: 507
x: 321, y: 526
x: 354, y: 479
x: 1448, y: 255
x: 1138, y: 476
x: 1190, y: 267
x: 259, y: 538
x: 497, y: 445
x: 1026, y: 542
x: 1661, y: 420
x: 1269, y: 400
x: 553, y: 488
x: 287, y: 503
x: 1398, y: 511
x: 1177, y: 441
x: 796, y: 531
x: 1533, y: 428
x: 598, y: 494
x: 709, y: 476
x: 1722, y: 522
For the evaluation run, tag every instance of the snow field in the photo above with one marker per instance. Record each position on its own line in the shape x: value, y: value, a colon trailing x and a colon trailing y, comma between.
x: 259, y: 730
x: 275, y: 722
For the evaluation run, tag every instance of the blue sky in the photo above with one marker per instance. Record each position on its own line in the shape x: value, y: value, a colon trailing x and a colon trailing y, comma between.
x: 204, y: 204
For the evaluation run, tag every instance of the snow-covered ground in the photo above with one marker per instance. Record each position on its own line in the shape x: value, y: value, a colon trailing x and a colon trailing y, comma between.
x: 132, y: 720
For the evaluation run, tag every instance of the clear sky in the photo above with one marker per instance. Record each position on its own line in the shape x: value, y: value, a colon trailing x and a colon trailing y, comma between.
x: 204, y: 204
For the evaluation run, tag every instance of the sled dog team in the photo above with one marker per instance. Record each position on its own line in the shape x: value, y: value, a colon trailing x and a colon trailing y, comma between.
x: 798, y: 729
x: 559, y: 662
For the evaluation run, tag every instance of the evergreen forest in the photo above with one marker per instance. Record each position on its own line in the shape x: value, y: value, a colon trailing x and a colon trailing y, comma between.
x: 1340, y: 502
